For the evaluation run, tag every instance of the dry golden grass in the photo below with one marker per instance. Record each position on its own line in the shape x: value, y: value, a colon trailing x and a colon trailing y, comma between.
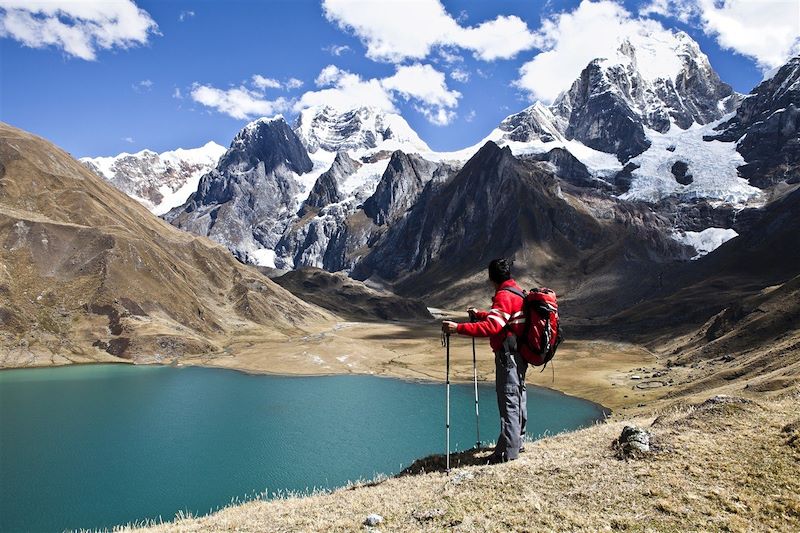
x: 717, y: 466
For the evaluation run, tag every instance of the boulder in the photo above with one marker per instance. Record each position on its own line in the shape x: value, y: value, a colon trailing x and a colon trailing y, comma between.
x: 373, y: 520
x: 633, y: 442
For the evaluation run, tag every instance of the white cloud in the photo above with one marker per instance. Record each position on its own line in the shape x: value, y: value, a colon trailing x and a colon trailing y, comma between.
x: 392, y: 31
x: 143, y: 86
x: 683, y: 9
x: 79, y: 28
x: 470, y: 116
x: 293, y: 83
x: 438, y: 116
x: 460, y: 75
x: 448, y: 56
x: 571, y: 40
x: 421, y: 84
x: 337, y: 49
x: 766, y: 30
x: 262, y: 83
x: 329, y: 76
x: 128, y: 140
x: 177, y: 93
x: 344, y: 90
x: 185, y: 15
x: 238, y: 102
x: 501, y: 38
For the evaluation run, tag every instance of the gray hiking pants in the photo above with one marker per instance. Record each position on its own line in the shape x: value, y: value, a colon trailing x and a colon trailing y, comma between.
x: 512, y: 398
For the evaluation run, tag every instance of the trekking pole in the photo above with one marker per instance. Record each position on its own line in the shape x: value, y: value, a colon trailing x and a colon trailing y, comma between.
x: 447, y: 419
x: 477, y: 410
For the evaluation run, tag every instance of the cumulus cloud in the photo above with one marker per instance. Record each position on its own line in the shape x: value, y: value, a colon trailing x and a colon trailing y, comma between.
x: 77, y: 28
x: 329, y: 76
x: 343, y: 89
x: 238, y: 102
x: 261, y: 82
x: 421, y: 84
x: 767, y: 31
x: 571, y: 40
x: 460, y: 75
x: 293, y: 83
x: 393, y: 32
x: 185, y: 15
x: 448, y: 56
x: 437, y: 116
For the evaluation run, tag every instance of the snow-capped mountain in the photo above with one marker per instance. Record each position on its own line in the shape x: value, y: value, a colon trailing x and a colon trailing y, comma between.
x: 655, y: 83
x: 158, y: 181
x: 766, y: 128
x: 362, y: 128
x: 640, y: 122
x: 280, y: 195
x: 650, y: 82
x: 640, y: 132
x: 246, y: 202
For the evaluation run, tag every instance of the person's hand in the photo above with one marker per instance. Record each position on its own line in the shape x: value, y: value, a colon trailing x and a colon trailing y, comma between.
x: 449, y: 327
x: 471, y: 311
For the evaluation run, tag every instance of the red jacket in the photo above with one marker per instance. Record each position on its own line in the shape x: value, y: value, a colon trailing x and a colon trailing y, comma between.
x: 506, y: 309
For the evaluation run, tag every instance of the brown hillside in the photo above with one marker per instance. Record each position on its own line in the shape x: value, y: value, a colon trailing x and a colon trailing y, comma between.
x: 350, y: 298
x: 87, y: 273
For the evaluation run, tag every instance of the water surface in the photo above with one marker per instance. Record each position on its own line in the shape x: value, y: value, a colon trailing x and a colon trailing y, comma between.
x: 99, y: 445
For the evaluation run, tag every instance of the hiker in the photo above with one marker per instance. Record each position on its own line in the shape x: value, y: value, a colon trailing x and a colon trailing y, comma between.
x: 501, y: 324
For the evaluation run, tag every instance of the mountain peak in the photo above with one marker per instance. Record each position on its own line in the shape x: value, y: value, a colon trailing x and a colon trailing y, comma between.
x: 267, y: 140
x: 334, y: 129
x: 652, y: 82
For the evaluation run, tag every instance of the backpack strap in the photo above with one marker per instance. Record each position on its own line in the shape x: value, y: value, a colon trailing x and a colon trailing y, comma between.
x: 522, y: 295
x: 518, y: 292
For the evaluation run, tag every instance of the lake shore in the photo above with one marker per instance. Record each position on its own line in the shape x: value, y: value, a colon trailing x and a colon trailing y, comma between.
x: 607, y: 373
x: 598, y: 371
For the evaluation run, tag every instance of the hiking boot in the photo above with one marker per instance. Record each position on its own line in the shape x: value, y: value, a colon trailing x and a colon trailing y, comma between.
x: 495, y: 459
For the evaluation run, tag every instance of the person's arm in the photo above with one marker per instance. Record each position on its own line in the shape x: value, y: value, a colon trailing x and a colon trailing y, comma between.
x: 477, y: 314
x: 490, y: 323
x: 480, y: 327
x: 487, y: 327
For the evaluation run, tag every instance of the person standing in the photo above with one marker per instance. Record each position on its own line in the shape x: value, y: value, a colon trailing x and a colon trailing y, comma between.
x: 502, y: 323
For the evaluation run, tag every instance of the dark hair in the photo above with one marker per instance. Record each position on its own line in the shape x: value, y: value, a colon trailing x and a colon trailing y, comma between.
x: 500, y: 270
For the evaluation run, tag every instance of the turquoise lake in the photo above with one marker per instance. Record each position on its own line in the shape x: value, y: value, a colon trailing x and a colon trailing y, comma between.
x: 100, y: 445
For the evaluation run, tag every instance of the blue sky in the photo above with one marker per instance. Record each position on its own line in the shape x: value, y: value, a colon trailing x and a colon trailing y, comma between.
x: 95, y: 97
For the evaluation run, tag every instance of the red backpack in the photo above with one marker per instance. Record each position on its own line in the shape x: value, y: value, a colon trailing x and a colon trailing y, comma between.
x: 542, y: 333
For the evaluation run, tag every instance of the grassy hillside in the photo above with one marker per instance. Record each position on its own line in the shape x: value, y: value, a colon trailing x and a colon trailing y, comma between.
x: 88, y: 274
